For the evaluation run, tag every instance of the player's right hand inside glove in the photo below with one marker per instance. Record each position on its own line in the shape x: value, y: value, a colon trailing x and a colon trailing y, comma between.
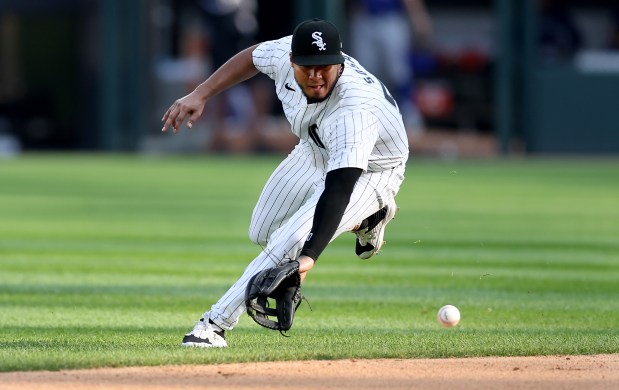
x: 282, y: 284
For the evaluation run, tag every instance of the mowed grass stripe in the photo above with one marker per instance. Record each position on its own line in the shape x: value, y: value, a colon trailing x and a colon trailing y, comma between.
x: 106, y: 260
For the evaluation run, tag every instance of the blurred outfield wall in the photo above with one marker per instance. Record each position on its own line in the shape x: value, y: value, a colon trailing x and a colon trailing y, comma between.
x: 97, y: 75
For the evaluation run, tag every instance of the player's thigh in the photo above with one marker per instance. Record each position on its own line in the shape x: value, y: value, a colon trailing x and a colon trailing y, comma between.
x: 371, y: 193
x: 291, y: 184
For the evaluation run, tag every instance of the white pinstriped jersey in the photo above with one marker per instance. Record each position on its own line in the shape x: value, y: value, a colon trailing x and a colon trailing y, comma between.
x: 358, y: 126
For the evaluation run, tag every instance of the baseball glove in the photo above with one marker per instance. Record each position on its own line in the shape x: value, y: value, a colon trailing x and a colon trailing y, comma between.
x: 281, y: 284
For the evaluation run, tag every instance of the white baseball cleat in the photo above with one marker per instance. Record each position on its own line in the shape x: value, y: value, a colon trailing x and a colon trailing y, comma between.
x: 372, y: 231
x: 205, y: 335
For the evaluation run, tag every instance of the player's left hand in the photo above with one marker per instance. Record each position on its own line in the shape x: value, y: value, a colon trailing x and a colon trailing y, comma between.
x: 188, y: 106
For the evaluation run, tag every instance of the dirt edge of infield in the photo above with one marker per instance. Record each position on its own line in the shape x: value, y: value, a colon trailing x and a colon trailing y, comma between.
x: 547, y: 372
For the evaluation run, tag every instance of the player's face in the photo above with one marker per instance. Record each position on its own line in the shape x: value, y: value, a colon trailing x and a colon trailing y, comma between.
x: 317, y: 81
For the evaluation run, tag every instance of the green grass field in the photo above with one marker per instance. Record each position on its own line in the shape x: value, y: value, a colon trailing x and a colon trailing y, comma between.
x: 107, y: 260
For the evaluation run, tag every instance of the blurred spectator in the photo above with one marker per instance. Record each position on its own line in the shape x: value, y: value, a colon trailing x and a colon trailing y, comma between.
x: 231, y: 26
x: 245, y: 118
x: 382, y: 40
x: 559, y: 38
x: 275, y: 20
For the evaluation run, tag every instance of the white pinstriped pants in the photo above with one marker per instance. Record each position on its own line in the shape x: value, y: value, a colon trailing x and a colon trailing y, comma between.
x: 284, y: 214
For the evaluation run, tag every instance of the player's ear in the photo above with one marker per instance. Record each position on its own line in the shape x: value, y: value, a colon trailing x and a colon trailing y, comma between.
x: 290, y: 54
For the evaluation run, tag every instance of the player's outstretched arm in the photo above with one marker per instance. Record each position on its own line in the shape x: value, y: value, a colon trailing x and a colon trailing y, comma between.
x: 237, y: 69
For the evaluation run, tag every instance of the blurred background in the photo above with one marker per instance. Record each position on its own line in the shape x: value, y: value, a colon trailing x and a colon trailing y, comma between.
x: 476, y: 78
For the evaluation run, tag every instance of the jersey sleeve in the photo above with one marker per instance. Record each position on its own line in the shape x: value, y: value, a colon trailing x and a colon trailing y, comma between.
x: 351, y: 140
x: 270, y: 57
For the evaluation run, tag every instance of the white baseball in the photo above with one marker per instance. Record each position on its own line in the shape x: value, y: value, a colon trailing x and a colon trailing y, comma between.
x: 448, y: 316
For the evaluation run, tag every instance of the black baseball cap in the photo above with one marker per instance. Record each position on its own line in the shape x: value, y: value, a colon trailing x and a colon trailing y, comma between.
x: 316, y: 42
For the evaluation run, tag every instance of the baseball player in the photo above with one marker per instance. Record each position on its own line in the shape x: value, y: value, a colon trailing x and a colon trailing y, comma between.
x: 342, y: 176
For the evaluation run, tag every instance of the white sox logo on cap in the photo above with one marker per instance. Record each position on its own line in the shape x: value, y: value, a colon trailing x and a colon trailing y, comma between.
x: 317, y: 35
x: 309, y: 44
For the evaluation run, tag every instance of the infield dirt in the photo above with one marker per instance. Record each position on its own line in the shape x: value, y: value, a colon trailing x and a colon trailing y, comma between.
x: 600, y: 372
